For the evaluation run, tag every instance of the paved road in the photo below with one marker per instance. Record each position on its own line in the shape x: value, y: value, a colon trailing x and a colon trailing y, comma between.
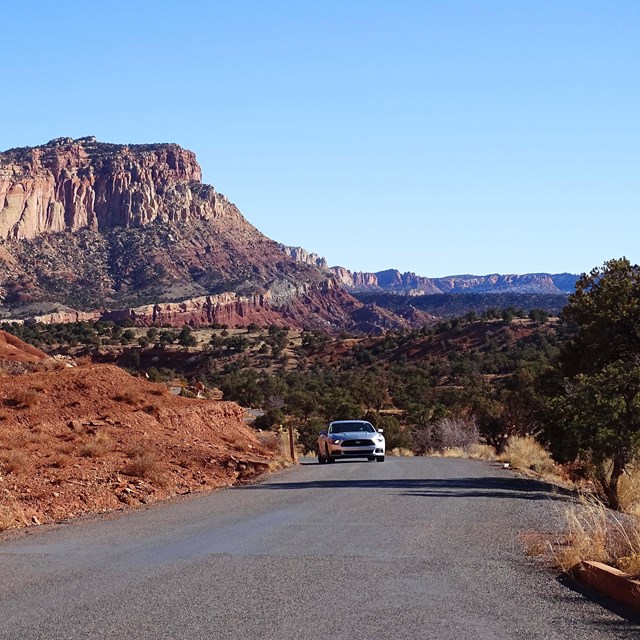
x: 412, y: 548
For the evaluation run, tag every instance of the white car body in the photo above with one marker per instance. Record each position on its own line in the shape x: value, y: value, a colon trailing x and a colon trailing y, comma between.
x: 350, y: 439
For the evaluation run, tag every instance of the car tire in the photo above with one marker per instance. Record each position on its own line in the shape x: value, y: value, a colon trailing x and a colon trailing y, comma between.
x: 380, y: 459
x: 329, y: 458
x: 321, y: 458
x: 371, y: 458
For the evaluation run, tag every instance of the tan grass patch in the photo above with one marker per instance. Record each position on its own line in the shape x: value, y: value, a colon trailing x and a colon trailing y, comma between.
x: 97, y: 446
x: 11, y: 515
x: 60, y: 460
x: 598, y: 534
x: 23, y: 399
x: 482, y: 452
x: 401, y: 451
x: 143, y: 463
x: 629, y: 491
x: 450, y: 452
x: 14, y: 462
x: 527, y: 453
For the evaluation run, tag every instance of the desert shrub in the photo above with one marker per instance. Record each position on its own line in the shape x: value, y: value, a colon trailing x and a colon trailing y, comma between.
x: 481, y: 452
x: 446, y: 433
x: 23, y: 399
x: 527, y: 453
x: 97, y: 446
x: 11, y: 515
x: 60, y: 460
x: 396, y: 435
x: 127, y: 397
x: 152, y: 409
x: 143, y: 463
x: 277, y: 442
x: 308, y: 433
x: 14, y: 462
x: 270, y: 419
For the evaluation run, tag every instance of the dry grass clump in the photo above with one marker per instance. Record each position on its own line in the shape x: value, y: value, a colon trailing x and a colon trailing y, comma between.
x: 127, y: 397
x: 629, y: 491
x: 11, y: 514
x: 14, y: 461
x: 97, y: 446
x: 527, y: 453
x: 143, y: 463
x: 598, y: 534
x: 23, y: 399
x: 60, y: 460
x: 481, y: 452
x: 278, y: 443
x: 401, y: 451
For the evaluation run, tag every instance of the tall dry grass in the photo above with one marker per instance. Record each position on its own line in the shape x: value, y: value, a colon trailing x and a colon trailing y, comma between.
x: 629, y: 491
x: 11, y: 513
x: 526, y: 453
x: 598, y: 534
x: 400, y: 452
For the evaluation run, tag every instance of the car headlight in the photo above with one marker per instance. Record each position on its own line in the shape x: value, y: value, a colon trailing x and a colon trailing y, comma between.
x: 336, y: 440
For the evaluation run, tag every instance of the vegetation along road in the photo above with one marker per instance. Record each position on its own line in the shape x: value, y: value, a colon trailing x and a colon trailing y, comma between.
x: 412, y: 548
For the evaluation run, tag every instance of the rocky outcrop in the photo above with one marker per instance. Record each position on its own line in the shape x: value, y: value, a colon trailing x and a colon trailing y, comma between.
x: 302, y: 255
x: 67, y: 185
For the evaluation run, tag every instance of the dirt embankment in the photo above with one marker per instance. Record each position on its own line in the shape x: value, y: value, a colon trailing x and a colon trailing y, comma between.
x: 93, y: 438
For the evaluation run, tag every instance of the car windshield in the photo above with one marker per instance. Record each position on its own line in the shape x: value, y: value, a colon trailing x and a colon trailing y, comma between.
x: 351, y: 427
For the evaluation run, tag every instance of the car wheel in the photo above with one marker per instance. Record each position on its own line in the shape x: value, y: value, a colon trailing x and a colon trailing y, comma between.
x: 371, y: 458
x: 321, y: 458
x: 380, y: 459
x: 329, y: 458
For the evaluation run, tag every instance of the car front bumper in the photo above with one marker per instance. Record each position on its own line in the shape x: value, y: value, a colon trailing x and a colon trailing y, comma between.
x: 355, y: 451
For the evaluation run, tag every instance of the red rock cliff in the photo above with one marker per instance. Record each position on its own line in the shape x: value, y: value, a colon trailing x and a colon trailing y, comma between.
x: 67, y: 185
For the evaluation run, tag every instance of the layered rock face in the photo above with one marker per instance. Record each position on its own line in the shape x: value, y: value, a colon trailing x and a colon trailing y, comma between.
x: 302, y: 255
x: 91, y: 230
x: 67, y: 185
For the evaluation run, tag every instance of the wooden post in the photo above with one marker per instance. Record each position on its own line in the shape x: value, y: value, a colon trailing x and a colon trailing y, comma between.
x: 292, y: 451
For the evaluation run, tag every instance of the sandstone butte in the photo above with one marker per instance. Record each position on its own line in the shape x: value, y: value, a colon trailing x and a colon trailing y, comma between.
x: 89, y: 439
x: 89, y: 229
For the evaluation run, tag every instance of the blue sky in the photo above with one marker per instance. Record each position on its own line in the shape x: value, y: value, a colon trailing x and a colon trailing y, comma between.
x: 434, y: 137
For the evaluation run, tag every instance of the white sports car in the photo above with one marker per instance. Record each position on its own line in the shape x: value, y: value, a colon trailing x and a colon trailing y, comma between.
x: 350, y: 439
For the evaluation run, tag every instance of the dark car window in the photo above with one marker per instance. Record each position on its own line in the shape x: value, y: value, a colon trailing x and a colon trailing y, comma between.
x: 350, y: 427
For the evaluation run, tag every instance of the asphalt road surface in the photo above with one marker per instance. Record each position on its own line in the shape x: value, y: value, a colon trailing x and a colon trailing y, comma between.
x: 428, y: 548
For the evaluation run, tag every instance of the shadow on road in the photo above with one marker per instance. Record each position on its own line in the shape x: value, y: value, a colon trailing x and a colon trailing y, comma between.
x: 508, y: 487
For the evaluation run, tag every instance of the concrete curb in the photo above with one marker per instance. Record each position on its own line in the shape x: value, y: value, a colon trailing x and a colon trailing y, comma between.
x: 612, y: 582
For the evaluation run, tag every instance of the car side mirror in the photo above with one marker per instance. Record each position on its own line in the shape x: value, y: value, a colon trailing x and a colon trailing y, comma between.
x: 380, y: 430
x: 323, y: 432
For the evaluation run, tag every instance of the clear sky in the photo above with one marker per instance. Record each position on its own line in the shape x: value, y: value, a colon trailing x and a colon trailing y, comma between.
x: 440, y: 137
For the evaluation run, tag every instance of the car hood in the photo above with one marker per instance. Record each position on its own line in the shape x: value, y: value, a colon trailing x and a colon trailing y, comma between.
x: 355, y: 435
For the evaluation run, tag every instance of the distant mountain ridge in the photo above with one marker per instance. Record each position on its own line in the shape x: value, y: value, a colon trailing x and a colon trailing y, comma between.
x: 408, y: 283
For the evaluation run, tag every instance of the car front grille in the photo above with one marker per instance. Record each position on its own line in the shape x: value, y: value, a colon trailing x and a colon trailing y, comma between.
x: 357, y: 443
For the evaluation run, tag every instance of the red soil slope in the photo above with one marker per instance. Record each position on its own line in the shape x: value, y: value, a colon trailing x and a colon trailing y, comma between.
x: 93, y: 438
x: 14, y: 350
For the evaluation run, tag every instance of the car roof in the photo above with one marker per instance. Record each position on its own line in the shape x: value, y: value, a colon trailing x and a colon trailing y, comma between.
x: 343, y: 421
